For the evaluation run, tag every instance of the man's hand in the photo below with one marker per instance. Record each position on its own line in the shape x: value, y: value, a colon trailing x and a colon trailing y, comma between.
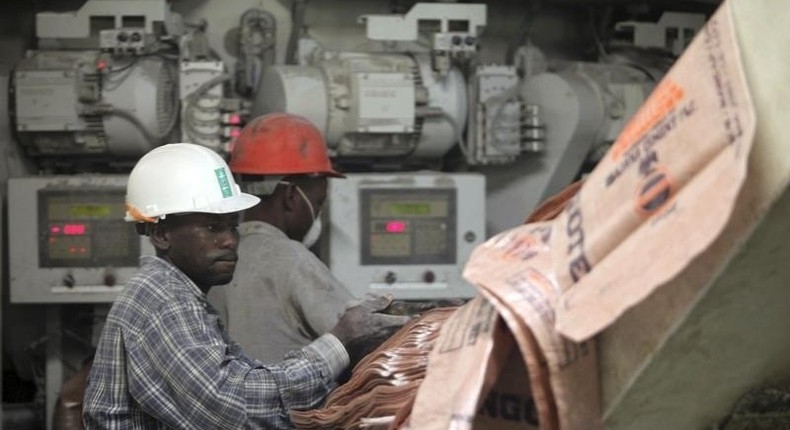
x: 364, y: 320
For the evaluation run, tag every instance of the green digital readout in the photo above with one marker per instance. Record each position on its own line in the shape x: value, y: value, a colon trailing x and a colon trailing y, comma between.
x: 83, y: 211
x: 404, y: 208
x: 90, y: 211
x: 407, y: 206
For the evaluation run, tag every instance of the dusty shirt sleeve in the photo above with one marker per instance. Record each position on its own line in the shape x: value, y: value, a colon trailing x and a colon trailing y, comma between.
x: 319, y: 296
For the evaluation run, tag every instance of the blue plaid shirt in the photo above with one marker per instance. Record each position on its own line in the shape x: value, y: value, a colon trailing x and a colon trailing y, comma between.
x: 163, y: 361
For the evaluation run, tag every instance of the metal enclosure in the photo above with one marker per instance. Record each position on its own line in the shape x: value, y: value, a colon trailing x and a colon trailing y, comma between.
x: 71, y: 243
x: 408, y: 234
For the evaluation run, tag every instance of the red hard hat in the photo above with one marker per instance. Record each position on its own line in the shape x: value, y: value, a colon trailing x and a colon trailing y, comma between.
x: 281, y: 144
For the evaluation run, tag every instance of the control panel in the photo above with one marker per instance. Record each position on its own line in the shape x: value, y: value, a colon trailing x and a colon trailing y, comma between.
x: 407, y: 234
x: 71, y: 242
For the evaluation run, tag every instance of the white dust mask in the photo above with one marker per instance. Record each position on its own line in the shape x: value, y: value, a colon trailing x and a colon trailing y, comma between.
x: 312, y: 235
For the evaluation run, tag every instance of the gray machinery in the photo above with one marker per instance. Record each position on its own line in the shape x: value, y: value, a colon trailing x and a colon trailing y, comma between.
x: 424, y: 93
x: 115, y: 79
x: 409, y: 104
x: 528, y: 126
x: 408, y: 234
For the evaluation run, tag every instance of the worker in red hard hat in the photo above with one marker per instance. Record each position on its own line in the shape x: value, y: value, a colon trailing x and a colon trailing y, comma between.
x: 282, y: 297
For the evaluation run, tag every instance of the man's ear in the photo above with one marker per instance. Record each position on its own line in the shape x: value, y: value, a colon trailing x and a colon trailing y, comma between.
x: 290, y: 198
x: 159, y: 236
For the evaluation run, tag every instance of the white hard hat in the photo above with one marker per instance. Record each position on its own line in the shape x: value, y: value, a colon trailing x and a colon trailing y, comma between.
x: 179, y: 178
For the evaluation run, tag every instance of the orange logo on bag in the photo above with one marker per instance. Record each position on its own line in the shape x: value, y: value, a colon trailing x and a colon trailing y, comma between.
x: 661, y: 102
x: 654, y: 192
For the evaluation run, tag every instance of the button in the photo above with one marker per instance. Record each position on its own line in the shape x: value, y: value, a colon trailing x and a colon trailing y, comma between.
x: 390, y: 277
x: 68, y: 280
x: 110, y: 280
x: 428, y: 276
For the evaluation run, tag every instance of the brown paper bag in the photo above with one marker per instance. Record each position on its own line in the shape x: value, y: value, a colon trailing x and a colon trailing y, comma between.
x: 515, y: 269
x: 659, y: 198
x: 468, y: 357
x: 664, y: 191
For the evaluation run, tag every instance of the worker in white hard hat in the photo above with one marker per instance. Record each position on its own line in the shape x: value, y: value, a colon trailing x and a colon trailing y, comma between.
x: 163, y: 359
x: 279, y: 283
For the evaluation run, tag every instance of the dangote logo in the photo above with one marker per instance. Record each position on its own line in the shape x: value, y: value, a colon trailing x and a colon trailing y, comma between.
x: 654, y: 192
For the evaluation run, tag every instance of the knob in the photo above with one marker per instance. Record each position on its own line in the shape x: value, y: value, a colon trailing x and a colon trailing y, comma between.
x: 390, y: 277
x: 428, y: 276
x: 109, y: 279
x: 68, y: 280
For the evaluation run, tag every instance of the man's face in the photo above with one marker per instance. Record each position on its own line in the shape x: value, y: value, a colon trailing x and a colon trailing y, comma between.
x: 203, y: 246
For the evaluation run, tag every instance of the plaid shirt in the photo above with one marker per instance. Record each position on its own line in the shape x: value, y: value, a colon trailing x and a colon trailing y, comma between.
x: 163, y: 361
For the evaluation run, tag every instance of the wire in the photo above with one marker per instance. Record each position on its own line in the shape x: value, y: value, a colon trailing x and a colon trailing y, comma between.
x: 108, y: 84
x: 297, y: 22
x: 126, y: 66
x: 526, y: 27
x: 596, y: 38
x: 104, y: 77
x: 458, y: 135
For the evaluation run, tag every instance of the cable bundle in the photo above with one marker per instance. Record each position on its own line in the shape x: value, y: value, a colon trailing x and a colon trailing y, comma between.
x: 382, y: 382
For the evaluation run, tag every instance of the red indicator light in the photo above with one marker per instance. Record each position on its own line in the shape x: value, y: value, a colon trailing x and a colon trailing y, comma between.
x: 235, y: 132
x: 74, y: 229
x: 234, y: 119
x: 396, y: 226
x: 55, y: 229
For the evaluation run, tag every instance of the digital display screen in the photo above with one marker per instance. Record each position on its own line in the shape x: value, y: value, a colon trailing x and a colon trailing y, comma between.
x: 82, y: 211
x: 68, y: 229
x: 410, y: 208
x: 90, y: 211
x: 81, y: 227
x: 396, y: 226
x: 408, y: 226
